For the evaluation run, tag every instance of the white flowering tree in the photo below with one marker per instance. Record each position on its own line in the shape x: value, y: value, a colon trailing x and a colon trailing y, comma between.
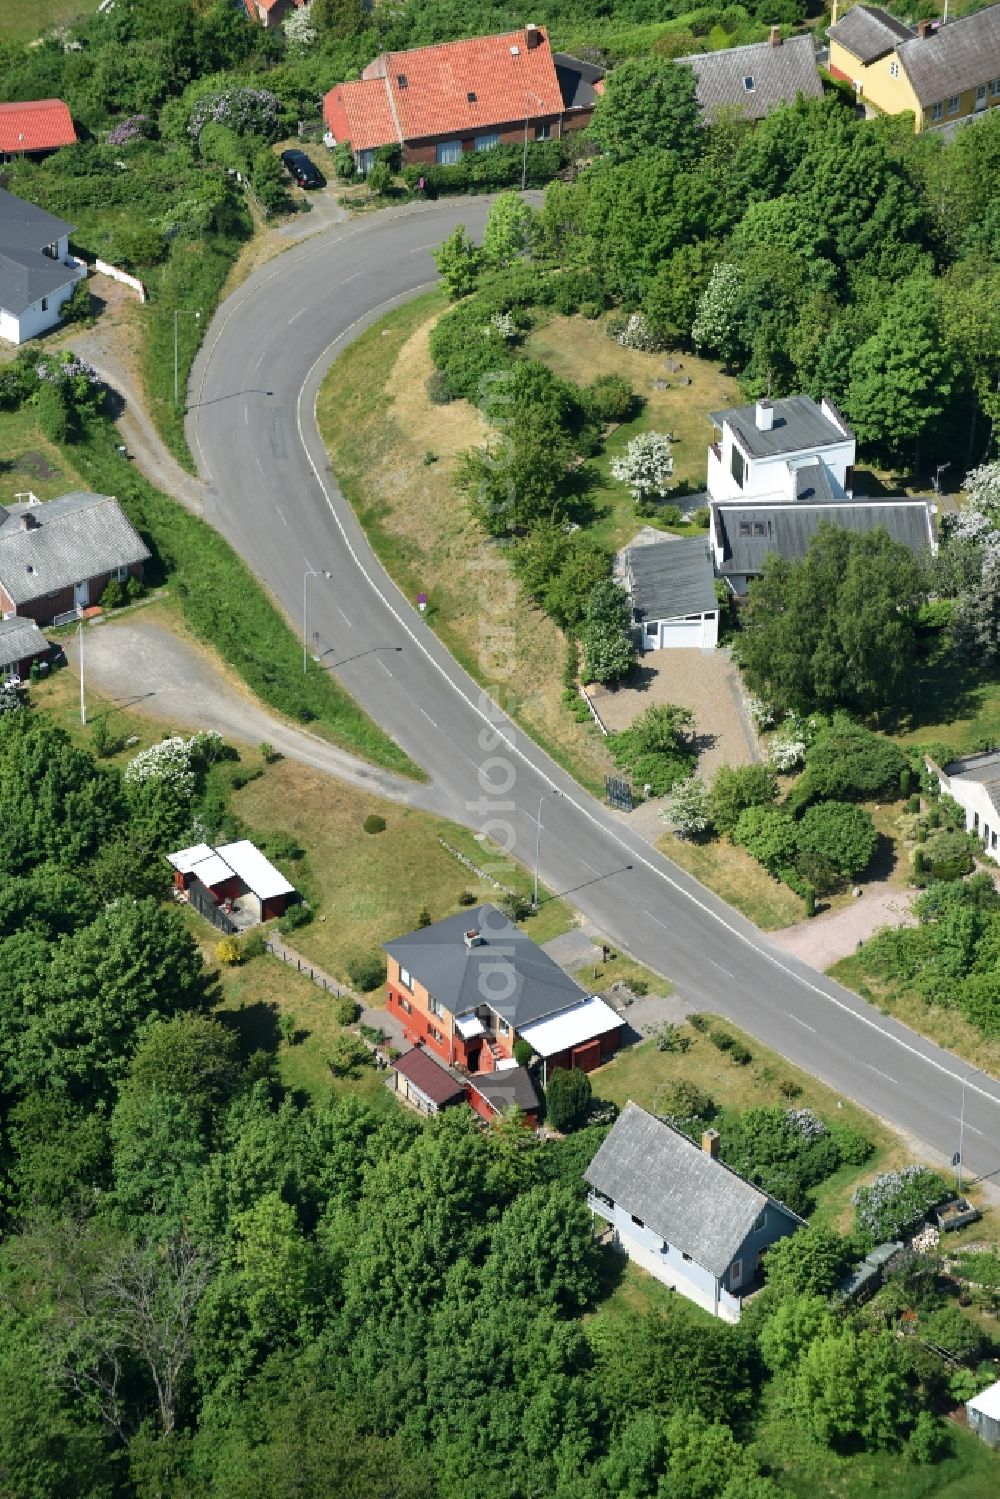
x: 645, y: 466
x: 718, y: 324
x: 982, y: 486
x: 300, y: 32
x: 686, y: 808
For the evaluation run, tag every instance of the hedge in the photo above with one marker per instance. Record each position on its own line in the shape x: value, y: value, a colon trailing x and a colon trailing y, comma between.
x: 486, y: 171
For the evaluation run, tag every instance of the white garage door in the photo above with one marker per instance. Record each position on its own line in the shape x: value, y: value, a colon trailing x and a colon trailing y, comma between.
x: 680, y: 632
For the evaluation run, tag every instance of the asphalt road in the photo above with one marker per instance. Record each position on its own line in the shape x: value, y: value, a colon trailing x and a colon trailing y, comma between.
x: 270, y: 491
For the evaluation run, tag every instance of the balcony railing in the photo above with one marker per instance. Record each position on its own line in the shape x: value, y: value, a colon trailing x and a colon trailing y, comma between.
x: 599, y: 1204
x: 68, y: 618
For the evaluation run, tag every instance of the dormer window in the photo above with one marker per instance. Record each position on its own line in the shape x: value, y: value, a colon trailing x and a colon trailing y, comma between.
x: 471, y: 98
x: 401, y: 80
x: 749, y: 84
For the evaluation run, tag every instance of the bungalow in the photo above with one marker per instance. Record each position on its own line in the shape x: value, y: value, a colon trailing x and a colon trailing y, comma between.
x: 682, y: 1214
x: 438, y: 103
x: 940, y: 73
x: 471, y: 985
x: 749, y: 82
x: 37, y: 272
x: 34, y: 128
x: 236, y: 876
x: 424, y: 1083
x: 21, y: 644
x: 672, y: 588
x: 57, y: 557
x: 974, y: 782
x: 776, y: 471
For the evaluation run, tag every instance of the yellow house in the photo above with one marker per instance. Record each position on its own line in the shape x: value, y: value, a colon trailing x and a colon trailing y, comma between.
x: 941, y: 73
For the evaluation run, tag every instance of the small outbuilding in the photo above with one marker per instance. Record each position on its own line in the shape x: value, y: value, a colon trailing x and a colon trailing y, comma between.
x: 424, y: 1083
x: 672, y: 588
x: 494, y: 1093
x: 983, y: 1412
x: 21, y: 644
x: 238, y: 877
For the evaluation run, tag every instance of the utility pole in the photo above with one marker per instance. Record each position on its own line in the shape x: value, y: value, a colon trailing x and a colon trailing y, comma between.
x: 538, y: 839
x: 177, y: 312
x: 83, y: 701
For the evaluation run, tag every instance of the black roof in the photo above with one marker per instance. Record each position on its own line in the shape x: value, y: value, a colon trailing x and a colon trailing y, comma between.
x: 670, y: 579
x: 514, y: 1087
x: 26, y: 275
x: 799, y: 423
x: 504, y: 970
x: 788, y: 529
x: 576, y: 80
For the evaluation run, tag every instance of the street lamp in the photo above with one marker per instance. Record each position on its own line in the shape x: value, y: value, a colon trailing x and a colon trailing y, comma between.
x: 310, y: 572
x: 538, y: 839
x: 83, y: 702
x: 177, y: 312
x: 961, y: 1133
x: 524, y: 158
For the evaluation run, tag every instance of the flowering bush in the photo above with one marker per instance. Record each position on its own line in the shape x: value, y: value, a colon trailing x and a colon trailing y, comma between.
x: 686, y: 808
x: 646, y: 465
x: 635, y: 332
x: 135, y: 128
x: 67, y: 366
x: 504, y: 324
x: 169, y: 761
x: 786, y: 754
x: 896, y: 1201
x: 299, y: 30
x: 761, y: 714
x: 248, y: 111
x: 809, y: 1125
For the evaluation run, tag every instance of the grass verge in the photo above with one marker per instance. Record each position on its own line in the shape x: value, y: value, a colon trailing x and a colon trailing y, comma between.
x: 24, y: 20
x: 737, y: 879
x: 224, y: 605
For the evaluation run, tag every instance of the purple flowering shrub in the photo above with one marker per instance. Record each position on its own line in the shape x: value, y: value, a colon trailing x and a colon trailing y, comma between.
x: 895, y: 1202
x: 247, y: 111
x: 134, y: 128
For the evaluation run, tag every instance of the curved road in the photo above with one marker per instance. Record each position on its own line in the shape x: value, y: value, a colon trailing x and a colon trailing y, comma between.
x: 271, y: 493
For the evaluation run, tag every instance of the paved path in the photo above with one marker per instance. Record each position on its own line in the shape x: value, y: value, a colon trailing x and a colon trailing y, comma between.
x: 140, y: 664
x: 836, y: 934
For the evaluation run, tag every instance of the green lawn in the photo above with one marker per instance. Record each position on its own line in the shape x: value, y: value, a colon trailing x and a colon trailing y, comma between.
x: 24, y: 20
x: 28, y: 461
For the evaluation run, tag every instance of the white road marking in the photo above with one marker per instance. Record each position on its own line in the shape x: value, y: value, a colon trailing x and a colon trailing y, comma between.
x: 417, y: 248
x: 343, y: 616
x: 260, y: 361
x: 721, y: 969
x: 280, y: 511
x: 880, y: 1073
x: 971, y: 1127
x: 260, y: 466
x: 296, y: 315
x: 803, y: 1023
x: 656, y: 919
x: 428, y: 717
x: 246, y: 414
x: 592, y: 867
x: 383, y: 666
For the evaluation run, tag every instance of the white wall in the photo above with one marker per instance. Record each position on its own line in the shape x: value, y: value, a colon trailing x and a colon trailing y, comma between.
x: 981, y: 816
x: 666, y: 1263
x: 773, y: 478
x: 671, y: 634
x: 16, y: 329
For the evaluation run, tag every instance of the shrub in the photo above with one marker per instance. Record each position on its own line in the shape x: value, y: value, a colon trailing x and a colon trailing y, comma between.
x: 786, y: 1151
x: 438, y: 391
x: 656, y: 748
x: 682, y: 1099
x: 810, y: 900
x: 424, y: 917
x: 373, y: 823
x: 349, y: 1054
x: 635, y: 331
x: 721, y: 1039
x: 228, y: 953
x: 345, y: 1009
x: 670, y: 1038
x: 288, y: 1026
x: 379, y: 179
x: 367, y: 971
x: 523, y: 1052
x: 567, y: 1098
x: 700, y: 1023
x: 929, y: 1441
x: 515, y: 907
x: 468, y: 898
x: 847, y: 762
x: 737, y: 787
x: 253, y: 946
x: 895, y: 1202
x: 947, y: 856
x: 841, y: 834
x: 113, y: 596
x: 769, y: 835
x: 483, y: 171
x: 740, y: 1054
x: 686, y: 808
x: 609, y: 398
x: 296, y: 916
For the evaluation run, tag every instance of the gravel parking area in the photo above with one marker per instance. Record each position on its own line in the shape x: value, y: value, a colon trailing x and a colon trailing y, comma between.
x: 837, y: 934
x: 707, y: 682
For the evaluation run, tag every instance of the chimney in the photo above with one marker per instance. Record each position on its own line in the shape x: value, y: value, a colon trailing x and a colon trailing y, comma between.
x: 473, y: 937
x: 765, y: 416
x: 924, y: 30
x: 532, y: 37
x: 775, y: 37
x: 710, y: 1143
x: 29, y: 523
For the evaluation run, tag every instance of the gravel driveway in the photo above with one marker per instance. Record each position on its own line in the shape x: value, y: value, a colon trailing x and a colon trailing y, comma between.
x: 823, y: 940
x: 140, y: 664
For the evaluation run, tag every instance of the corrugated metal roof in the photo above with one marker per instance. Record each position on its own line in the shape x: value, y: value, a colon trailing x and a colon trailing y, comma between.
x: 572, y: 1027
x: 429, y: 1077
x: 692, y: 1200
x: 788, y: 529
x: 255, y: 869
x: 799, y: 424
x: 869, y: 32
x: 959, y: 56
x: 20, y: 638
x: 506, y: 971
x: 670, y: 579
x: 38, y: 125
x: 77, y: 536
x: 776, y: 76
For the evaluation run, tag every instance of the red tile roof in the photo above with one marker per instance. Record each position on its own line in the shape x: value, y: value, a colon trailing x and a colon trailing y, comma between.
x: 450, y: 89
x: 36, y: 126
x: 433, y: 1080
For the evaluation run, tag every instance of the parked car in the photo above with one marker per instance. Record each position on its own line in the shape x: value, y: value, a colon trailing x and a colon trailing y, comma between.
x: 301, y: 169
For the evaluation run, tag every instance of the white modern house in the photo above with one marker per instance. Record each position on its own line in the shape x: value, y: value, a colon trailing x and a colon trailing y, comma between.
x: 983, y: 1412
x: 683, y: 1215
x: 974, y: 782
x: 777, y: 470
x: 671, y: 584
x: 37, y: 271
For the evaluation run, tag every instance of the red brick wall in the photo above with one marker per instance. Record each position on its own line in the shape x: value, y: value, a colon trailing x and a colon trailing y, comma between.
x: 44, y: 610
x: 417, y: 1025
x: 424, y: 152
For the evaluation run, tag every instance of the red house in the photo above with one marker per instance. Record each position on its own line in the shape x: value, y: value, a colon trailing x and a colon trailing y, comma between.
x: 470, y: 986
x: 237, y: 876
x: 35, y: 128
x: 494, y: 1093
x: 21, y: 644
x: 437, y: 103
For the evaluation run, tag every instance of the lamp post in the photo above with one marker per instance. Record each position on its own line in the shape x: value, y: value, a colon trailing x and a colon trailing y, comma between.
x: 83, y: 702
x: 961, y: 1132
x: 538, y: 839
x: 196, y: 314
x: 532, y: 98
x: 310, y: 572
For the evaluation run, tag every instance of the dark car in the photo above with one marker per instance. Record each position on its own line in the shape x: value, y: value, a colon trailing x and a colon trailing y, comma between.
x: 301, y: 169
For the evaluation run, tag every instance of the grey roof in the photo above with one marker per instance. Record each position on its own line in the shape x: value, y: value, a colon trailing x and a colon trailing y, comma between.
x: 514, y: 1087
x: 671, y: 579
x: 799, y: 423
x: 961, y: 55
x: 75, y: 537
x: 788, y: 529
x: 20, y: 638
x: 692, y: 1200
x: 576, y: 80
x: 779, y: 74
x: 984, y: 770
x: 812, y: 482
x: 868, y: 32
x: 26, y: 275
x: 506, y: 971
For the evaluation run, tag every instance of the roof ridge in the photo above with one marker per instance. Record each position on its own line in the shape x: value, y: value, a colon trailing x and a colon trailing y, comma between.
x: 489, y: 36
x: 722, y: 52
x: 716, y: 1159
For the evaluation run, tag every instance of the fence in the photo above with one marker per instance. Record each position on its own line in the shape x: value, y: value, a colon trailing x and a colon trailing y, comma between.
x: 105, y: 269
x: 594, y: 713
x: 68, y: 618
x: 204, y: 902
x: 316, y: 974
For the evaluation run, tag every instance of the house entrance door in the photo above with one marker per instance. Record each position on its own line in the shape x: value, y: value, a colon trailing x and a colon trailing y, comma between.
x: 81, y: 594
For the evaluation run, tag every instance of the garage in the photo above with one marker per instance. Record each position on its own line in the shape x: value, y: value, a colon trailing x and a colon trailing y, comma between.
x: 672, y: 587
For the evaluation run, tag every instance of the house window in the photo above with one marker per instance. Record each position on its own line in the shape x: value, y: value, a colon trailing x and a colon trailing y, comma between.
x: 434, y: 1033
x: 503, y: 1027
x: 738, y: 467
x: 746, y: 529
x: 993, y: 841
x: 981, y: 94
x: 760, y: 1220
x: 937, y: 112
x: 434, y: 1005
x: 748, y: 84
x: 406, y: 978
x: 759, y: 528
x: 953, y: 104
x: 404, y: 1005
x: 487, y: 141
x: 446, y: 153
x: 986, y: 834
x: 121, y: 574
x: 894, y: 70
x: 685, y: 1257
x: 995, y: 88
x: 975, y: 821
x: 543, y: 132
x: 365, y: 160
x: 45, y: 304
